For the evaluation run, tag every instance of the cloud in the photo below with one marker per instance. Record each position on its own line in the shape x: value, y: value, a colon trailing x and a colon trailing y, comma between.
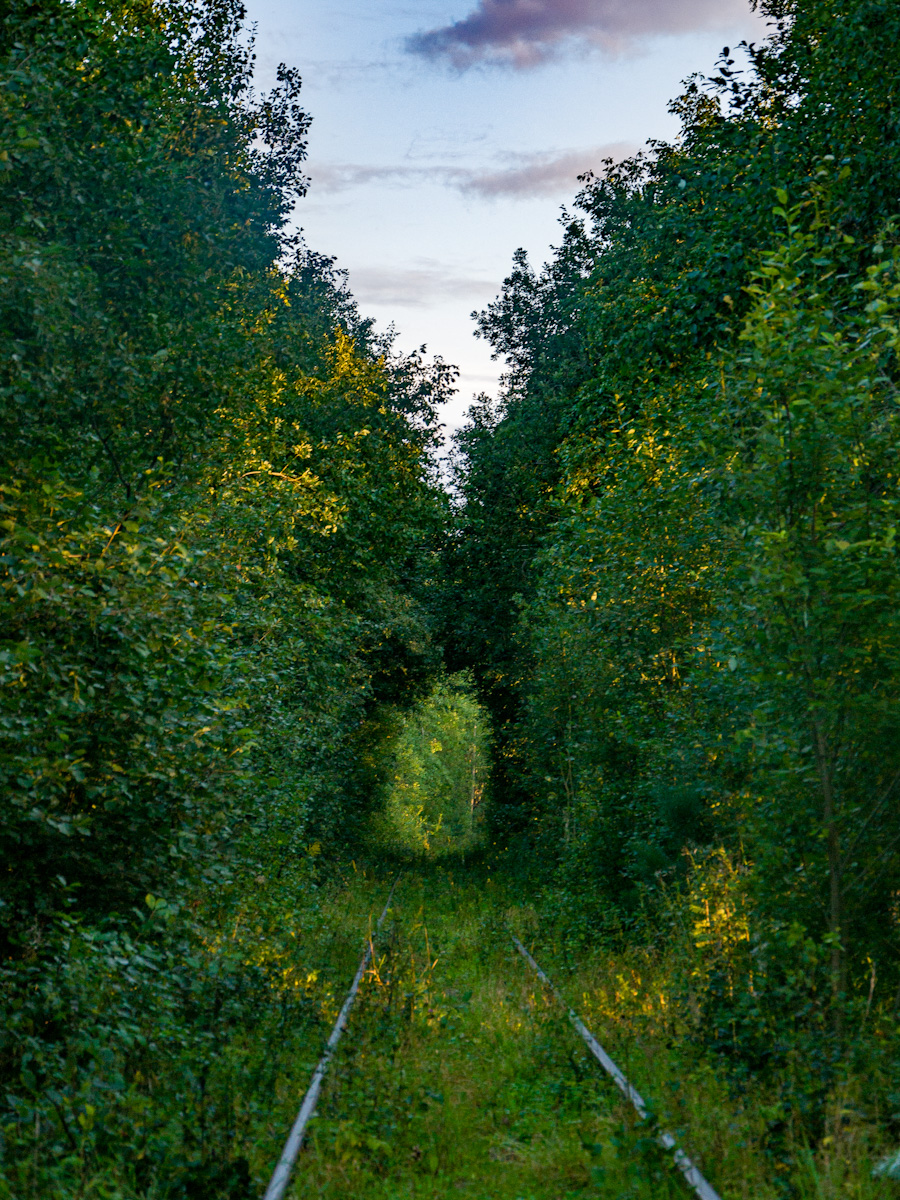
x: 417, y: 287
x: 525, y: 33
x: 521, y: 176
x: 542, y: 174
x: 338, y: 177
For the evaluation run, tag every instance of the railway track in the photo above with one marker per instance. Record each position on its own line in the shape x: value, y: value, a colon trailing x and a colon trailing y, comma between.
x: 281, y: 1177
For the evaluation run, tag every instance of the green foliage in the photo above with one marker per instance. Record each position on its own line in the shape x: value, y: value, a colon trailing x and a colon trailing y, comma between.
x: 698, y: 635
x: 671, y: 576
x: 218, y: 519
x: 149, y: 1049
x: 436, y: 774
x: 217, y: 501
x: 817, y: 495
x: 116, y: 722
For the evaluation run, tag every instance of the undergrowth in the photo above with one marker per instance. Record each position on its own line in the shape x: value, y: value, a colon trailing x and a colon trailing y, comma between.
x: 166, y: 1061
x: 461, y: 1075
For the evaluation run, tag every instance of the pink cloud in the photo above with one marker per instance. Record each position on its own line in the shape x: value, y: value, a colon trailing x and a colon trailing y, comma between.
x: 515, y: 176
x: 525, y: 33
x: 542, y: 174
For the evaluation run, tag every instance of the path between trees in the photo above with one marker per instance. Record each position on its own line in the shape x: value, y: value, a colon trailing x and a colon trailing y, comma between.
x: 458, y: 1074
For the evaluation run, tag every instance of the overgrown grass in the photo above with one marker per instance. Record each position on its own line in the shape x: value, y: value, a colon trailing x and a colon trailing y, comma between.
x: 458, y: 1075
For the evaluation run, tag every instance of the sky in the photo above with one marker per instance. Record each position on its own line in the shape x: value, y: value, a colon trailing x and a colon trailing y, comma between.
x: 448, y: 133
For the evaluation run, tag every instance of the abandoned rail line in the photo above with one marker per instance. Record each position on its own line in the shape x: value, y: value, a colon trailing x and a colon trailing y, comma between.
x: 282, y: 1174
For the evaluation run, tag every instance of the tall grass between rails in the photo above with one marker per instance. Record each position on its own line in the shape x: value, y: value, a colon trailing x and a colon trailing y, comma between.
x: 168, y: 1062
x: 731, y: 1017
x: 461, y: 1076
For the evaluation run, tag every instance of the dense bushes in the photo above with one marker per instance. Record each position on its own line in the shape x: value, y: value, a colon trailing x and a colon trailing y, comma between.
x: 430, y: 767
x: 217, y: 514
x: 673, y: 575
x: 216, y: 491
x: 702, y: 646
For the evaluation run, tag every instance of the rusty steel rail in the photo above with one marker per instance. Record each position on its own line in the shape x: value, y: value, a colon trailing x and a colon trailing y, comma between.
x: 689, y: 1170
x: 282, y: 1173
